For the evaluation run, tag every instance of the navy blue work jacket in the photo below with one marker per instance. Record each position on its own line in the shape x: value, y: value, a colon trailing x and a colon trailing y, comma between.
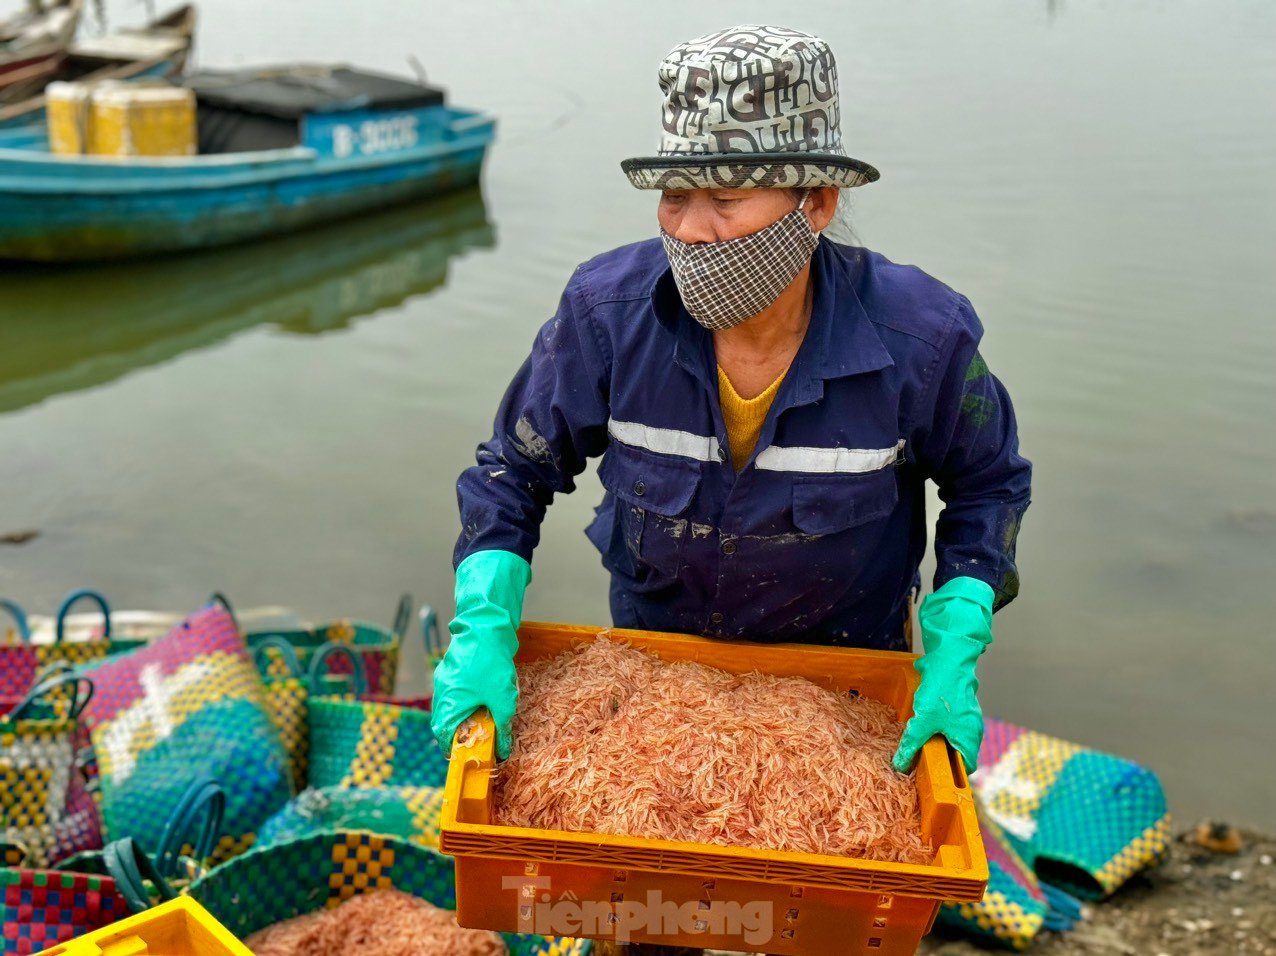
x: 819, y: 537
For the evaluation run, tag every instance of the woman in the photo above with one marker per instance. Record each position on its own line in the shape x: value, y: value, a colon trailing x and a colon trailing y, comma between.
x: 768, y: 406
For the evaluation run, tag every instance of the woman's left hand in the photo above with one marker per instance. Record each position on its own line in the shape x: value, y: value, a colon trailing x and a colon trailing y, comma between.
x: 956, y: 623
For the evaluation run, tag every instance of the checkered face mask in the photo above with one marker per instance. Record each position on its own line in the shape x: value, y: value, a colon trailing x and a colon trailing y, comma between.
x: 723, y: 283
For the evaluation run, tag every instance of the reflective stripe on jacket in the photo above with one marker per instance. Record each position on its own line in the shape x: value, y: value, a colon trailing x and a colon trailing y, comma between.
x: 820, y: 536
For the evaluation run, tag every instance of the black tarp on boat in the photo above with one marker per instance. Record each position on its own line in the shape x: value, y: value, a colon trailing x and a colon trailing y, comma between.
x: 262, y: 108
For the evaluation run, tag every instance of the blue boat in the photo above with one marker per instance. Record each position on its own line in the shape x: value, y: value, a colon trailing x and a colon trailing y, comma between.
x: 279, y: 150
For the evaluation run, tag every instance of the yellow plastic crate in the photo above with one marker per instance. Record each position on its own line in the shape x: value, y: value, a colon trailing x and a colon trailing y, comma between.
x: 68, y: 106
x: 180, y: 927
x: 138, y: 119
x: 735, y: 898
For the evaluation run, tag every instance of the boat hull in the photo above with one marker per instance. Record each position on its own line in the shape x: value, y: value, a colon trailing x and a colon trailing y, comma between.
x: 75, y: 210
x: 22, y: 78
x: 10, y: 69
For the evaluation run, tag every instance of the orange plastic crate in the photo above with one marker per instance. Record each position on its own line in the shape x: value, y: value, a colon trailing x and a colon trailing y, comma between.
x: 180, y: 927
x: 516, y: 879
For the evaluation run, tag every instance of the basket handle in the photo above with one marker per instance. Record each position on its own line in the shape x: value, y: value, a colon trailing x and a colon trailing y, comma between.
x: 59, y: 678
x: 132, y: 869
x: 73, y: 598
x: 430, y: 632
x: 51, y: 670
x: 320, y: 660
x: 19, y: 617
x: 205, y: 796
x: 55, y: 668
x: 218, y: 598
x: 281, y: 644
x: 402, y: 615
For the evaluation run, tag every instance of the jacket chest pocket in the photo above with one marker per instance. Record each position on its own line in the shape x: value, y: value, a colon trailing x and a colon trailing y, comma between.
x: 653, y: 494
x: 827, y: 504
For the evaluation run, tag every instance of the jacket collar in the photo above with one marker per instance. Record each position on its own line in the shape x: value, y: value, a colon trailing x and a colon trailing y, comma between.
x: 840, y: 340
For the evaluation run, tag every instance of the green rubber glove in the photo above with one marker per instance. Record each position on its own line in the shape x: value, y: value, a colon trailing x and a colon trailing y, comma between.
x: 956, y: 624
x: 478, y: 668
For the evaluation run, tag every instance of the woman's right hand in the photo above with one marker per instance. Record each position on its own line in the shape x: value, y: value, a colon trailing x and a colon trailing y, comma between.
x: 478, y: 668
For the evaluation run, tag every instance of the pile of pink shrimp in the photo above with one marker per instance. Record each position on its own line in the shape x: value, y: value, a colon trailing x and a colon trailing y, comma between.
x: 609, y: 739
x: 383, y: 923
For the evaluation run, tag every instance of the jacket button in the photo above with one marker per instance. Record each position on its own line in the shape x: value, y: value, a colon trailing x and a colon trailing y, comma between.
x: 715, y: 617
x: 722, y: 454
x: 639, y: 489
x: 728, y: 547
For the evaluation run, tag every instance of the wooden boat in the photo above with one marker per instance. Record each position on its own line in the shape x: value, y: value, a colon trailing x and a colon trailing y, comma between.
x: 33, y: 46
x: 158, y: 50
x: 279, y: 150
x: 129, y: 316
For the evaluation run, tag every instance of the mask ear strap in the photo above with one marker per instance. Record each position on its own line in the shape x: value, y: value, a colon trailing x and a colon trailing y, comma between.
x: 806, y: 193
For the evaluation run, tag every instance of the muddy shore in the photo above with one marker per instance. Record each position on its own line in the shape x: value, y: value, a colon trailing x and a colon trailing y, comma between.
x: 1198, y: 903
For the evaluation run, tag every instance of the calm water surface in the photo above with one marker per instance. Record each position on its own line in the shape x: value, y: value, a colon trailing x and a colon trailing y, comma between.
x: 285, y: 421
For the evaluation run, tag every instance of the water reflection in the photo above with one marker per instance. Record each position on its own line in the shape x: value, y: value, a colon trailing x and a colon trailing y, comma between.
x: 125, y: 317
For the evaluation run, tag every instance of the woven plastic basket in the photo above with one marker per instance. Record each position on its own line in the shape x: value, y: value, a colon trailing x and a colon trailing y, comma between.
x: 407, y: 813
x: 45, y: 907
x: 22, y: 659
x: 377, y: 646
x: 370, y: 740
x: 45, y: 807
x: 287, y: 700
x: 131, y: 628
x: 187, y: 705
x: 1084, y: 821
x: 270, y: 884
x: 364, y: 744
x: 42, y: 908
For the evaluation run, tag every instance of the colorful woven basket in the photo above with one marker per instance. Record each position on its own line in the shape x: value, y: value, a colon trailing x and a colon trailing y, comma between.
x: 1084, y: 821
x: 21, y: 660
x: 1016, y: 906
x: 188, y: 705
x: 134, y: 628
x: 407, y: 813
x: 45, y: 807
x: 364, y: 744
x: 44, y: 907
x: 378, y: 647
x: 186, y: 848
x: 286, y: 703
x: 270, y: 884
x: 139, y: 629
x: 101, y: 626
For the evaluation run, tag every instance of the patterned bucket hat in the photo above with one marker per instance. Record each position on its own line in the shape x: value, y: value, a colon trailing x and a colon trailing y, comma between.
x: 751, y: 106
